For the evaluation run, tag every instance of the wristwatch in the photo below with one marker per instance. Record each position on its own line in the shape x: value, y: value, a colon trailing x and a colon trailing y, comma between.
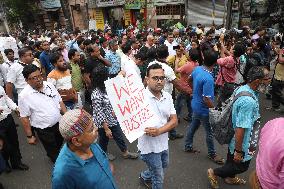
x: 30, y: 136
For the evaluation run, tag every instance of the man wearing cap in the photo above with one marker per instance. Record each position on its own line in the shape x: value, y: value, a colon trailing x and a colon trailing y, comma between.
x: 81, y: 164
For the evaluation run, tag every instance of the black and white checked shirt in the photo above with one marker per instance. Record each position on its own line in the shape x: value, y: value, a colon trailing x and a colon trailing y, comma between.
x: 102, y: 109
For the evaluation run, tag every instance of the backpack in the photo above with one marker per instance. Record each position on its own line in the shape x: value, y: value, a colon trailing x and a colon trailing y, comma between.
x: 221, y: 119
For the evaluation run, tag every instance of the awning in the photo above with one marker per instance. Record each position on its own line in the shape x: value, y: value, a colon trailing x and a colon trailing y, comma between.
x: 50, y: 5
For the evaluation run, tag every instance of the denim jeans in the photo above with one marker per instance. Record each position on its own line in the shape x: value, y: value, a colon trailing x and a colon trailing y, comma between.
x: 156, y: 163
x: 198, y: 119
x: 117, y: 136
x: 181, y: 97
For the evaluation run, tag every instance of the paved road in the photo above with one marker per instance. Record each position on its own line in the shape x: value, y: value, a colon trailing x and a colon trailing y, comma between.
x: 186, y: 171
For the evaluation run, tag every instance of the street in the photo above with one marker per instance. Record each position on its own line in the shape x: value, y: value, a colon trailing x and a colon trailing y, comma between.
x: 186, y: 171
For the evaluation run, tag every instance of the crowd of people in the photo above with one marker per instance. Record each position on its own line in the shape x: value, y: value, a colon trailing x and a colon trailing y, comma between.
x: 57, y: 90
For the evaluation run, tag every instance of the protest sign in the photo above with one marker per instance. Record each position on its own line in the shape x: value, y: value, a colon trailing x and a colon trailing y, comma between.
x: 132, y: 110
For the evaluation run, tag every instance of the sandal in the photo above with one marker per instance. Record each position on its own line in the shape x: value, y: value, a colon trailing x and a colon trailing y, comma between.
x: 191, y: 150
x: 216, y: 159
x: 235, y: 181
x: 212, y: 180
x: 130, y: 155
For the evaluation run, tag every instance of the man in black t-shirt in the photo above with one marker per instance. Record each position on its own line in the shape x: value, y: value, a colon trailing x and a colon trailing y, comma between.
x: 94, y: 63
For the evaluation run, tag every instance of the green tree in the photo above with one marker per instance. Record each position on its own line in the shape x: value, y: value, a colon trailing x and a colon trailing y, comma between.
x: 20, y: 10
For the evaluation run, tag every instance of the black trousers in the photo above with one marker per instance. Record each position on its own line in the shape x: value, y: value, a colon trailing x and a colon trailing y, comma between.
x: 117, y: 135
x: 231, y: 168
x: 51, y: 140
x: 11, y: 150
x: 277, y: 93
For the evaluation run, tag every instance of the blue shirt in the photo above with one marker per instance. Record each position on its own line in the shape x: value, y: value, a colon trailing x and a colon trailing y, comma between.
x: 114, y: 59
x: 244, y: 114
x: 203, y: 86
x: 71, y: 172
x: 45, y: 61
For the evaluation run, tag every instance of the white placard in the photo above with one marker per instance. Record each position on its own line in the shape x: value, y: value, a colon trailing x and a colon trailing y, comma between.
x: 133, y: 112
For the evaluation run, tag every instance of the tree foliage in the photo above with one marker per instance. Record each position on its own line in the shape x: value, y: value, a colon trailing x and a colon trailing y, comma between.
x: 20, y: 10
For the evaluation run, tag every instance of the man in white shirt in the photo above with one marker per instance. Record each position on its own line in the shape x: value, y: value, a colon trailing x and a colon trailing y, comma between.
x: 170, y: 43
x: 5, y: 67
x: 40, y: 106
x: 15, y: 76
x: 153, y: 145
x: 11, y: 151
x: 171, y: 81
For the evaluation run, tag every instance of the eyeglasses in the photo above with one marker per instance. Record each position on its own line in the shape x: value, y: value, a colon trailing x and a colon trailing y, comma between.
x: 159, y: 78
x: 35, y: 78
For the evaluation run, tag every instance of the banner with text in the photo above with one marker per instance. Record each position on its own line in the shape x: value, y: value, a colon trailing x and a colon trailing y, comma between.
x: 132, y: 110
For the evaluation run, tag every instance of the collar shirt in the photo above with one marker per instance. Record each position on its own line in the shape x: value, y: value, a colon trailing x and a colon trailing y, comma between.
x: 16, y: 77
x: 70, y: 171
x: 163, y: 108
x: 169, y: 74
x: 6, y: 105
x: 115, y: 61
x: 4, y: 68
x: 171, y: 47
x: 102, y: 109
x: 42, y: 107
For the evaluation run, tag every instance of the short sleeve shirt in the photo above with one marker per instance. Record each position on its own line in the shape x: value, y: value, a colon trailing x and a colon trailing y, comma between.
x: 203, y: 86
x: 16, y: 77
x: 163, y: 108
x: 244, y: 114
x: 72, y: 172
x: 115, y: 61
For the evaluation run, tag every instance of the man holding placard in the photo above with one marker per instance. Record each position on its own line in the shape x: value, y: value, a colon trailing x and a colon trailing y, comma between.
x: 153, y: 145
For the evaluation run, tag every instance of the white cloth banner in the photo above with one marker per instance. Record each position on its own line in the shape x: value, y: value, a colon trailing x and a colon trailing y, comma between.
x: 8, y: 43
x: 133, y: 112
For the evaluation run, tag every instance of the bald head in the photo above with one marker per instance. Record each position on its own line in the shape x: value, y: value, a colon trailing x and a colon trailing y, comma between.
x: 150, y: 40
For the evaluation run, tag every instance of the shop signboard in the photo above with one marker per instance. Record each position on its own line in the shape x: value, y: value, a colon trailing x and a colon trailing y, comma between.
x: 99, y: 17
x: 127, y: 17
x: 109, y: 3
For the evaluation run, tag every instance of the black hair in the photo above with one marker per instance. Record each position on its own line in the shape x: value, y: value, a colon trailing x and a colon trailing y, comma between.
x: 87, y: 42
x: 80, y: 41
x: 54, y: 57
x: 102, y: 40
x: 209, y: 32
x: 210, y: 57
x: 261, y: 43
x: 254, y: 73
x: 153, y: 67
x: 194, y: 54
x: 126, y: 48
x: 99, y: 78
x: 7, y: 51
x: 23, y: 51
x: 162, y: 52
x: 71, y: 53
x: 239, y: 49
x: 29, y: 69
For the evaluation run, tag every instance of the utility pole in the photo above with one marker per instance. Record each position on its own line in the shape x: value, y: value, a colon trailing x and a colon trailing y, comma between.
x: 229, y: 14
x: 3, y: 13
x: 67, y: 14
x: 145, y: 13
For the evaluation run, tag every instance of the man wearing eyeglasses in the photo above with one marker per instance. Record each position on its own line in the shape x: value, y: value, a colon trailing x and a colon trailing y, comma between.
x: 15, y: 76
x: 40, y: 106
x: 153, y: 145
